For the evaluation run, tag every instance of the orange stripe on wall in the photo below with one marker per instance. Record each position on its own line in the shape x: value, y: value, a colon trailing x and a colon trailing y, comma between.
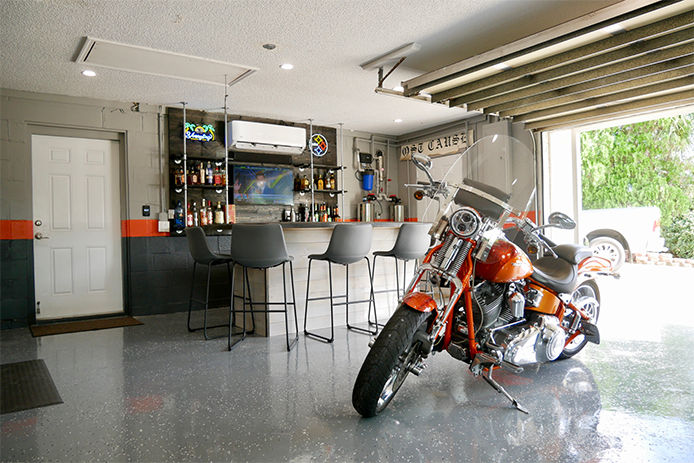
x: 16, y: 230
x: 411, y: 219
x: 140, y: 228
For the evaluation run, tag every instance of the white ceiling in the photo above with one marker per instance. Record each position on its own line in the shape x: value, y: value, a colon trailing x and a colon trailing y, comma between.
x: 325, y: 40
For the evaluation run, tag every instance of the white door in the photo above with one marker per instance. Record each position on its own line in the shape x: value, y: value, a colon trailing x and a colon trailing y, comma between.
x: 76, y: 205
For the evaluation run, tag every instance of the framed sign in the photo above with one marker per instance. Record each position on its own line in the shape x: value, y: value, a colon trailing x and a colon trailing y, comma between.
x: 319, y: 145
x: 199, y: 132
x: 438, y: 146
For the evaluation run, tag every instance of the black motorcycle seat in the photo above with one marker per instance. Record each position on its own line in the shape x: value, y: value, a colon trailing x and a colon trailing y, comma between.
x: 556, y: 274
x: 573, y: 253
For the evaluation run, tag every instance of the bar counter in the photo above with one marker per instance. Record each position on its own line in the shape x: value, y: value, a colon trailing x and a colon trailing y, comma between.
x: 302, y: 240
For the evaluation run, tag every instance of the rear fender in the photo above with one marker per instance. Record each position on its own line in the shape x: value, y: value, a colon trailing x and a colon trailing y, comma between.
x: 420, y: 302
x: 595, y: 264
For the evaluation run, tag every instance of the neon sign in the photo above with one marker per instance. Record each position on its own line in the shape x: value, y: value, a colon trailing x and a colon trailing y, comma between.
x: 199, y: 132
x: 319, y: 145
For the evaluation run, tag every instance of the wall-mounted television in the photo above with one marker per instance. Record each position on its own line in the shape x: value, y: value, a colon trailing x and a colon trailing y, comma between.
x: 263, y: 185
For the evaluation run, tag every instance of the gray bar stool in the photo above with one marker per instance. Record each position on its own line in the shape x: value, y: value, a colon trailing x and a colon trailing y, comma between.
x: 412, y: 243
x: 201, y: 253
x: 261, y: 247
x: 348, y: 244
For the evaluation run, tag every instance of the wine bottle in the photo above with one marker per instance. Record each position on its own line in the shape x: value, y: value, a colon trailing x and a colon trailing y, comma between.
x: 196, y: 218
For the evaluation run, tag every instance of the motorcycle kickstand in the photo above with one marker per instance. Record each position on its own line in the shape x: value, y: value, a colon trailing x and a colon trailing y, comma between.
x: 501, y: 390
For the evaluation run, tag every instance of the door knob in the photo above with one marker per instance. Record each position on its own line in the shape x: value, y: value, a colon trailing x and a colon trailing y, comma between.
x: 40, y: 236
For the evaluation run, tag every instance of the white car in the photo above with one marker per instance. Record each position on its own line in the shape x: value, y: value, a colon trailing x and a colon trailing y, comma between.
x: 618, y: 233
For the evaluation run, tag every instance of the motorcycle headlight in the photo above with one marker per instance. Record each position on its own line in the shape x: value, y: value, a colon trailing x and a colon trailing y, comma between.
x: 465, y: 222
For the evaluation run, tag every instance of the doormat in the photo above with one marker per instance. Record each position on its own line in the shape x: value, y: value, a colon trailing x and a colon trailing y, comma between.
x: 83, y: 325
x: 26, y: 385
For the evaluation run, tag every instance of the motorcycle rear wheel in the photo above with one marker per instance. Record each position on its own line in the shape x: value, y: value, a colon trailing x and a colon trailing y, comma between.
x: 583, y: 297
x: 387, y: 364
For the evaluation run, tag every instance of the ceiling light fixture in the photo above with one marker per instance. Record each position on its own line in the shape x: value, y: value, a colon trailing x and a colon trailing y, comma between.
x: 287, y: 66
x: 397, y: 121
x: 89, y: 73
x: 399, y: 88
x: 269, y: 46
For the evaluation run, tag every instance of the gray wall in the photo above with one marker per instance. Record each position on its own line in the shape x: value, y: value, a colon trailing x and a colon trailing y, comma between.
x: 24, y: 113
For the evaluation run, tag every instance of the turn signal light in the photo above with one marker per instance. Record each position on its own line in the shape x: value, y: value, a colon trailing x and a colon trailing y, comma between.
x: 532, y: 249
x: 419, y: 195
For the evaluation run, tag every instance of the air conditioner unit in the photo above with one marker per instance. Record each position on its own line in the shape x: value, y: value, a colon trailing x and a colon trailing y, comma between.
x: 254, y: 137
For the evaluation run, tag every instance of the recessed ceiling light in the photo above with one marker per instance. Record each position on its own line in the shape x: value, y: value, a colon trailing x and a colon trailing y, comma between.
x: 399, y: 88
x: 287, y: 66
x: 88, y: 73
x: 269, y: 46
x: 397, y: 121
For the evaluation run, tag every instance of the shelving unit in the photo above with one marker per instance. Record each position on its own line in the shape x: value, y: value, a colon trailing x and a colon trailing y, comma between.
x: 186, y: 152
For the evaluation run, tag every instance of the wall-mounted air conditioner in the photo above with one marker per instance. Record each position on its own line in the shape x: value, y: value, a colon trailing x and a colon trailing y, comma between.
x: 254, y: 137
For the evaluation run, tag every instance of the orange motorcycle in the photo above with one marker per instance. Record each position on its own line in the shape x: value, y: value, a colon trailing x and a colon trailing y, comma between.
x: 477, y: 294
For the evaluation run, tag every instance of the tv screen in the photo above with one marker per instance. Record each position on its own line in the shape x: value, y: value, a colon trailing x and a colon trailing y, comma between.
x: 263, y: 185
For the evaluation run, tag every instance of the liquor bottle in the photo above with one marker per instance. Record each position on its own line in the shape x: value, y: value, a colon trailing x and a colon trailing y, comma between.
x: 217, y: 176
x: 320, y: 183
x: 196, y: 217
x: 304, y: 183
x: 178, y: 217
x: 219, y: 214
x: 194, y: 177
x: 189, y: 216
x: 201, y: 173
x: 336, y: 214
x: 210, y: 174
x: 203, y: 214
x: 331, y: 181
x: 210, y: 213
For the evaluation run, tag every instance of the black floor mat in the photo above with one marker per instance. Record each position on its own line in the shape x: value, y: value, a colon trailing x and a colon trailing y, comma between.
x: 26, y: 385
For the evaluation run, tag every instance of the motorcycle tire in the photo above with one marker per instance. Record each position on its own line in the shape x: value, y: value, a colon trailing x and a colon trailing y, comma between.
x: 586, y: 289
x: 384, y: 369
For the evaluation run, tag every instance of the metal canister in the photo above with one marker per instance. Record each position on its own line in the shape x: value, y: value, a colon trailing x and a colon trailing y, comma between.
x: 365, y: 213
x: 397, y: 212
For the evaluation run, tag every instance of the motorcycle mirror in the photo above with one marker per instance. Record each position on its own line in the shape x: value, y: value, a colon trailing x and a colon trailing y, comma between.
x: 561, y: 220
x: 421, y: 161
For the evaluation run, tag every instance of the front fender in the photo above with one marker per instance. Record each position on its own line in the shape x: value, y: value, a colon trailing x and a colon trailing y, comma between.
x: 420, y: 302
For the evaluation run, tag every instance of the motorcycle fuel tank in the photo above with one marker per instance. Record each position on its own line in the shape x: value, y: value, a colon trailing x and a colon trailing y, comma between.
x: 506, y: 263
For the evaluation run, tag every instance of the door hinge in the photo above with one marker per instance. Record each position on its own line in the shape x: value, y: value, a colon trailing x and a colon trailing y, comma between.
x: 38, y: 306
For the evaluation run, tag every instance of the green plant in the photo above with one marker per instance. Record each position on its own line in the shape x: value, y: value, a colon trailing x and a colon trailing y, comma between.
x: 644, y: 164
x: 679, y: 235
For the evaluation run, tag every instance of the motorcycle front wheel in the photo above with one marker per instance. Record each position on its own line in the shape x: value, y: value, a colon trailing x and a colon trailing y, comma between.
x: 389, y: 361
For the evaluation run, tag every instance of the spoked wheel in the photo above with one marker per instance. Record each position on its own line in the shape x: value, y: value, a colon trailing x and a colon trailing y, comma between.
x: 394, y: 353
x: 587, y: 298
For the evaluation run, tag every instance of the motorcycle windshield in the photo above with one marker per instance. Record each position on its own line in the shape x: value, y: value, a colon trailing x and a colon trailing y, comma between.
x: 495, y: 176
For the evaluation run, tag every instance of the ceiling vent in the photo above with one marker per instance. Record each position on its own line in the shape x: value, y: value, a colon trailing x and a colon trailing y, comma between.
x: 132, y: 58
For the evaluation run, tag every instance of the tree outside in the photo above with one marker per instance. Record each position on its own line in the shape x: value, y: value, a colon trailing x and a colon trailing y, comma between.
x: 645, y: 164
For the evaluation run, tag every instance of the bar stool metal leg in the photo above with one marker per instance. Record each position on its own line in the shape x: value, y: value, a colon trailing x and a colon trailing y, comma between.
x: 286, y: 312
x: 372, y: 300
x: 205, y: 303
x: 332, y: 308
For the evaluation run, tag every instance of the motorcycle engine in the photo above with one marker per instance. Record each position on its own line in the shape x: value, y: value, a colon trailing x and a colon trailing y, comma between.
x: 542, y: 341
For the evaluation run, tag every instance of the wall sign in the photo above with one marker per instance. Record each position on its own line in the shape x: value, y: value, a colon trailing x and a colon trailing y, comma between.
x: 319, y: 145
x: 438, y: 146
x: 199, y: 132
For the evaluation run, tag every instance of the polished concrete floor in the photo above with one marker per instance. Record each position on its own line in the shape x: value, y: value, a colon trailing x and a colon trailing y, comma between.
x: 157, y: 393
